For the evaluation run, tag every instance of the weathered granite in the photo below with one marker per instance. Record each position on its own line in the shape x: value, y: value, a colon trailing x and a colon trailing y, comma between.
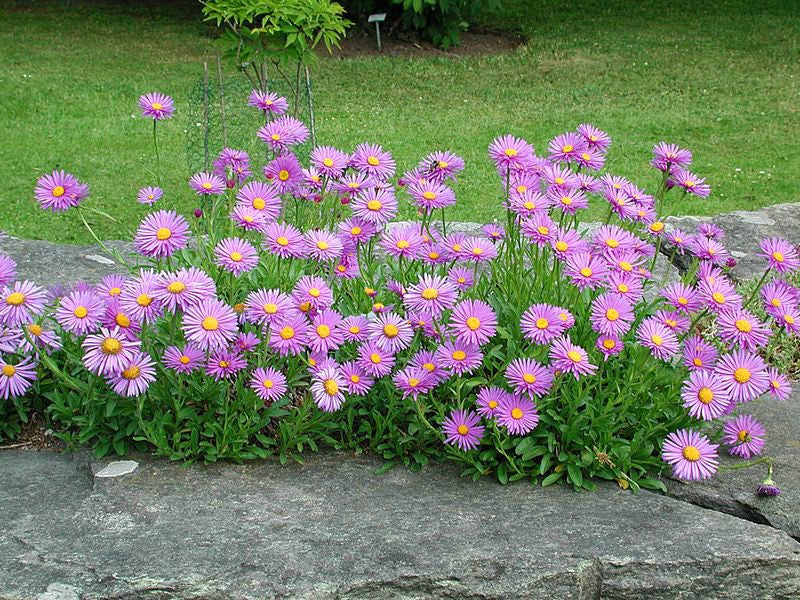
x: 745, y: 229
x: 733, y: 492
x: 333, y: 529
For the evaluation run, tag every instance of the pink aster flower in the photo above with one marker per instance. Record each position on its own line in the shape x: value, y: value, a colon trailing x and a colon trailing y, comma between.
x: 540, y: 229
x: 789, y: 319
x: 478, y: 249
x: 458, y: 357
x: 742, y: 328
x: 780, y: 254
x: 289, y: 336
x: 8, y: 269
x: 325, y: 334
x: 677, y: 322
x: 705, y: 396
x: 390, y: 332
x: 494, y: 231
x: 156, y: 106
x: 517, y: 414
x: 589, y: 183
x: 209, y: 324
x: 183, y: 360
x: 683, y: 297
x: 108, y: 352
x: 461, y: 428
x: 427, y: 360
x: 374, y: 161
x: 585, y: 270
x: 261, y: 197
x: 354, y: 328
x: 719, y: 294
x: 626, y: 285
x: 611, y: 314
x: 352, y: 183
x: 161, y: 234
x: 609, y: 345
x: 327, y: 389
x: 249, y: 218
x: 60, y: 191
x: 404, y: 241
x: 709, y: 249
x: 779, y: 386
x: 594, y: 137
x: 314, y: 292
x: 149, y: 195
x: 138, y: 299
x: 21, y: 302
x: 777, y: 296
x: 568, y: 201
x: 207, y: 184
x: 473, y: 322
x: 413, y: 381
x: 744, y: 374
x: 182, y: 289
x: 529, y: 203
x: 565, y: 242
x: 566, y: 357
x: 489, y: 399
x: 612, y: 238
x: 510, y: 153
x: 658, y: 338
x: 560, y: 176
x: 329, y: 161
x: 430, y: 195
x: 246, y: 342
x: 541, y: 324
x: 225, y: 363
x: 441, y: 165
x: 680, y: 240
x: 566, y: 147
x: 529, y: 377
x: 668, y: 156
x: 691, y: 456
x: 461, y: 277
x: 284, y: 240
x: 80, y: 312
x: 236, y: 255
x: 690, y: 182
x: 268, y: 102
x: 375, y: 205
x: 283, y: 133
x: 115, y: 316
x: 590, y: 158
x: 744, y: 435
x: 284, y: 172
x: 16, y: 379
x: 355, y: 231
x: 135, y: 378
x: 432, y: 294
x: 269, y: 384
x: 357, y: 381
x: 698, y: 354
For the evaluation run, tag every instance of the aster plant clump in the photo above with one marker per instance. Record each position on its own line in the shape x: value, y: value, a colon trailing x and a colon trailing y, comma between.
x: 291, y: 311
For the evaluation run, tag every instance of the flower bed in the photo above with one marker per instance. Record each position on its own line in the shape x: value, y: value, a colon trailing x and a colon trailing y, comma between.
x: 289, y: 313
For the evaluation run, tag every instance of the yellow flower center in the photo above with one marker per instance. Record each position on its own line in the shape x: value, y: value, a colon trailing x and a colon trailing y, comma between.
x: 492, y: 404
x: 561, y: 246
x: 354, y: 329
x: 238, y: 308
x: 433, y: 255
x: 705, y: 395
x: 390, y: 330
x: 428, y: 195
x: 373, y: 160
x: 522, y: 189
x: 542, y: 323
x: 656, y: 226
x: 459, y: 355
x: 430, y: 293
x: 58, y: 191
x: 275, y: 137
x: 529, y: 378
x: 176, y: 287
x: 566, y: 200
x: 283, y: 174
x: 560, y: 181
x: 529, y: 205
x: 15, y: 299
x: 402, y: 244
x: 473, y: 323
x: 282, y: 241
x: 567, y: 148
x: 622, y: 288
x: 110, y: 346
x: 259, y: 203
x: 9, y: 370
x: 609, y: 344
x: 34, y: 329
x: 163, y: 233
x: 574, y: 356
x: 683, y: 301
x: 744, y: 326
x: 691, y: 453
x: 443, y: 164
x: 688, y: 183
x: 268, y: 384
x: 477, y: 251
x: 586, y: 272
x: 115, y: 291
x: 463, y: 429
x: 375, y: 358
x: 625, y: 265
x: 355, y: 378
x: 612, y: 314
x: 697, y: 362
x: 323, y: 331
x: 413, y: 382
x: 206, y: 185
x: 314, y: 292
x: 80, y: 312
x: 331, y: 387
x: 543, y: 230
x: 789, y: 319
x: 328, y: 162
x: 355, y: 231
x: 210, y: 324
x: 775, y: 302
x: 374, y: 205
x: 429, y: 367
x: 510, y: 152
x: 122, y: 320
x: 184, y: 360
x: 741, y: 375
x: 657, y: 339
x: 131, y: 372
x: 378, y: 306
x: 156, y: 106
x: 287, y: 333
x: 517, y: 414
x: 743, y: 435
x: 778, y: 256
x: 586, y: 156
x: 718, y: 298
x: 462, y: 280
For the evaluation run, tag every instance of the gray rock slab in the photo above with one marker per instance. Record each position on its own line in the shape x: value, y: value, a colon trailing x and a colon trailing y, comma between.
x: 745, y: 229
x: 333, y: 529
x: 117, y: 468
x: 734, y: 491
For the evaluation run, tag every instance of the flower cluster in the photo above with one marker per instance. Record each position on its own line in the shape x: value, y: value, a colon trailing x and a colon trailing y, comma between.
x: 526, y: 337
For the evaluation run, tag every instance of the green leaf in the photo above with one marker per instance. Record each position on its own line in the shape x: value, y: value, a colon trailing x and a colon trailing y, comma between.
x: 575, y: 474
x: 551, y: 479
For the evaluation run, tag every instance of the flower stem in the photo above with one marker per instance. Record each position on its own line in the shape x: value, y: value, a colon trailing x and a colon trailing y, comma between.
x: 757, y: 288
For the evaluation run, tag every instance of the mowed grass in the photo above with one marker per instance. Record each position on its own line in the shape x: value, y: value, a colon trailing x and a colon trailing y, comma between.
x: 720, y: 78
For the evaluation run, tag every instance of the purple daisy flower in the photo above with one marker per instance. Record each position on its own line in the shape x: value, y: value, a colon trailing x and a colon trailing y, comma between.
x: 478, y: 249
x: 461, y: 428
x: 567, y: 241
x: 161, y: 234
x: 138, y: 299
x: 115, y: 316
x: 432, y: 294
x: 325, y: 334
x: 183, y: 288
x: 225, y: 363
x: 778, y: 295
x: 510, y: 153
x: 540, y: 229
x: 568, y: 201
x: 441, y: 165
x: 529, y: 377
x: 744, y: 435
x: 356, y: 231
x: 284, y: 240
x: 425, y: 359
x: 609, y: 345
x: 494, y: 231
x: 261, y: 197
x: 413, y: 381
x: 403, y: 241
x: 354, y: 328
x: 691, y: 456
x: 373, y: 161
x: 390, y: 332
x: 269, y: 384
x: 16, y: 379
x: 780, y: 254
x: 789, y: 319
x: 594, y: 137
x: 284, y: 172
x: 374, y: 360
x: 611, y: 314
x: 20, y: 302
x: 357, y: 381
x: 683, y: 297
x: 667, y: 156
x: 590, y: 158
x: 473, y: 322
x: 329, y: 161
x: 658, y: 338
x: 157, y: 106
x: 690, y: 182
x: 183, y: 360
x: 566, y: 357
x: 236, y: 255
x: 585, y: 270
x: 529, y: 203
x: 8, y: 269
x: 719, y: 294
x: 283, y: 133
x: 206, y: 184
x: 566, y: 147
x: 233, y: 166
x: 375, y: 205
x: 560, y: 175
x: 710, y: 250
x: 42, y: 340
x: 110, y: 286
x: 589, y: 184
x: 246, y: 342
x: 517, y: 414
x: 80, y: 312
x: 323, y: 246
x: 268, y: 102
x: 779, y: 386
x: 327, y: 389
x: 353, y: 183
x: 676, y: 321
x: 461, y: 277
x: 626, y: 285
x: 680, y: 240
x: 744, y: 374
x: 699, y: 354
x: 135, y: 378
x: 108, y: 352
x: 60, y: 191
x: 312, y: 291
x: 489, y: 399
x: 742, y: 328
x: 458, y: 357
x: 705, y: 396
x: 249, y: 218
x: 289, y: 336
x: 430, y: 195
x: 149, y: 195
x: 209, y: 324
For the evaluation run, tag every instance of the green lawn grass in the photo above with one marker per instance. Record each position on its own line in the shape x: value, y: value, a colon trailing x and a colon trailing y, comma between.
x: 720, y: 78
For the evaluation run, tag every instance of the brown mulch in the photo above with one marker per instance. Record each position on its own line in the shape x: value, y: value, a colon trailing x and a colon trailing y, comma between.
x: 361, y: 43
x: 34, y: 436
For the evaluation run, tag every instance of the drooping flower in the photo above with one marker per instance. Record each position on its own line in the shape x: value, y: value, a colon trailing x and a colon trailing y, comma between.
x: 432, y: 294
x: 494, y: 231
x: 157, y: 106
x: 742, y: 328
x: 16, y: 379
x: 529, y: 377
x: 209, y: 324
x: 161, y: 234
x: 458, y: 357
x: 328, y: 388
x: 268, y: 102
x: 567, y: 357
x: 473, y: 322
x: 744, y: 374
x: 705, y: 396
x: 183, y: 360
x: 780, y: 254
x: 236, y: 255
x: 290, y: 335
x: 20, y: 303
x: 517, y: 414
x: 269, y: 384
x: 108, y: 352
x: 690, y: 454
x: 461, y: 428
x: 60, y: 191
x: 779, y: 386
x: 744, y: 435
